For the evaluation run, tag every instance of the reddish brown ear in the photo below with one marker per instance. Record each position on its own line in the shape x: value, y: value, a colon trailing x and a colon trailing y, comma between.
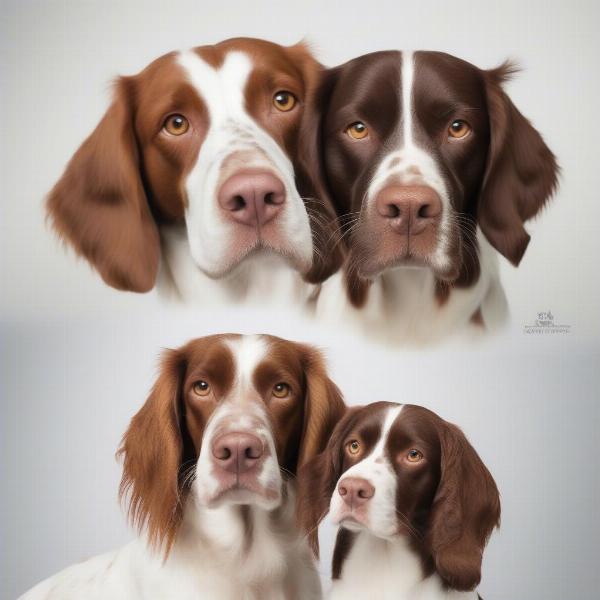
x: 317, y: 479
x: 312, y: 182
x: 99, y: 205
x: 465, y: 510
x: 521, y: 172
x: 324, y: 407
x: 152, y: 451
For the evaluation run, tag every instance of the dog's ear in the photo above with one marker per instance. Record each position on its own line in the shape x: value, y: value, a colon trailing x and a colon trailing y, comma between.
x: 317, y: 479
x: 153, y: 453
x: 311, y: 180
x: 323, y: 406
x: 465, y: 510
x: 99, y: 205
x: 521, y: 172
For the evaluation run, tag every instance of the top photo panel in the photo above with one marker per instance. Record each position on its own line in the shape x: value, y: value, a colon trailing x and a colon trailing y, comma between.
x: 380, y: 193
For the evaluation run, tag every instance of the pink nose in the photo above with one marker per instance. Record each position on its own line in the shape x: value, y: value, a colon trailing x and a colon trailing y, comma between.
x: 252, y: 198
x: 355, y: 491
x: 237, y: 452
x: 409, y: 208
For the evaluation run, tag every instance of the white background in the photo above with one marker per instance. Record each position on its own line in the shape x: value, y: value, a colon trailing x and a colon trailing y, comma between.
x: 78, y: 358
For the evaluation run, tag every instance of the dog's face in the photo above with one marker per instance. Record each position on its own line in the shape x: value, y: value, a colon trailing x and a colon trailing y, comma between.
x: 207, y: 138
x: 228, y: 420
x: 400, y: 470
x: 418, y: 149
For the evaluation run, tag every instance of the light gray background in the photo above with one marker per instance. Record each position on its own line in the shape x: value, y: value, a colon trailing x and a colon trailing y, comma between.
x: 78, y: 358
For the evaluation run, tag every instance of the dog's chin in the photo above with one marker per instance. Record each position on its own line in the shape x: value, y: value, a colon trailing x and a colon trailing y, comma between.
x: 252, y: 254
x: 444, y: 270
x: 267, y: 499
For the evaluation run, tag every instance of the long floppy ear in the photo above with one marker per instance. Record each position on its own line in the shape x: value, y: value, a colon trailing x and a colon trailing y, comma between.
x: 465, y: 510
x: 99, y: 205
x: 521, y: 172
x: 153, y: 453
x: 323, y: 407
x: 312, y: 181
x: 316, y: 482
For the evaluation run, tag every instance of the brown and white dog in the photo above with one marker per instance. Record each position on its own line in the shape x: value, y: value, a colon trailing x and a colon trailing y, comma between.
x: 413, y: 500
x: 209, y: 464
x: 432, y: 169
x: 196, y: 165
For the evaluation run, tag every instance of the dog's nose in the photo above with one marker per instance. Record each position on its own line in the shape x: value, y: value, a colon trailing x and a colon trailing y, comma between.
x: 252, y: 198
x: 237, y: 452
x: 409, y: 208
x: 355, y: 491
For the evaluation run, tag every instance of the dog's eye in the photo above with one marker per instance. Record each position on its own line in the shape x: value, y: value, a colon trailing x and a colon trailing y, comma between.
x: 414, y: 456
x: 353, y: 447
x: 357, y: 130
x: 281, y: 390
x: 459, y: 129
x: 176, y: 125
x: 201, y: 388
x: 284, y: 101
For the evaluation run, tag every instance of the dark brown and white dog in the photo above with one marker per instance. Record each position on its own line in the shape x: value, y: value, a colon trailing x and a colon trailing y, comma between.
x: 433, y: 170
x: 209, y: 464
x: 196, y: 165
x: 414, y: 502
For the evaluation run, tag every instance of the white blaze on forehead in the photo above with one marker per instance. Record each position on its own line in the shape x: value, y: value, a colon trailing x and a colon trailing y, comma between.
x: 248, y: 351
x: 408, y: 73
x: 391, y: 416
x: 222, y: 89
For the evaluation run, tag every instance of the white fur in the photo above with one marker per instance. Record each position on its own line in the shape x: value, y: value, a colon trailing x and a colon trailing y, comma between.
x: 209, y: 559
x: 380, y: 563
x: 198, y: 260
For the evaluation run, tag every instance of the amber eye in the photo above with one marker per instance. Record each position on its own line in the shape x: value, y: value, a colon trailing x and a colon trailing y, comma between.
x: 414, y: 456
x: 201, y: 388
x: 176, y: 125
x: 281, y: 390
x: 357, y: 130
x: 353, y: 447
x: 284, y: 101
x: 459, y: 129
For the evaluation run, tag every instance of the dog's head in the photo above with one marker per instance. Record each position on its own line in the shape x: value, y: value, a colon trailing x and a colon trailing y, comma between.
x: 207, y: 138
x: 228, y: 421
x: 400, y: 470
x: 418, y: 149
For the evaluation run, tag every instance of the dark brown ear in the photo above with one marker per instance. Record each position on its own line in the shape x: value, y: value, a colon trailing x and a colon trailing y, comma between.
x: 465, y: 510
x: 152, y: 451
x: 521, y: 173
x: 99, y: 205
x: 317, y: 479
x: 312, y: 183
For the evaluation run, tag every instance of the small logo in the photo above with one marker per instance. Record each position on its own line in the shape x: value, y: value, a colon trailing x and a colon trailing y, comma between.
x: 545, y: 324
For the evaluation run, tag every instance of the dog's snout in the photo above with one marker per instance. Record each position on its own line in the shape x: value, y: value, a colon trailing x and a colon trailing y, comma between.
x: 409, y: 209
x: 237, y: 452
x: 355, y: 491
x: 252, y: 198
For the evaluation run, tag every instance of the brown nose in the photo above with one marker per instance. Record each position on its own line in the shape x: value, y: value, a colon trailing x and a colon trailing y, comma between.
x: 409, y: 208
x: 252, y: 198
x: 355, y: 491
x: 237, y: 452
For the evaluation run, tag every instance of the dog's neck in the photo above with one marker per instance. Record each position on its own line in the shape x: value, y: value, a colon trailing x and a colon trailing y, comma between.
x: 263, y: 278
x: 372, y: 567
x: 403, y: 304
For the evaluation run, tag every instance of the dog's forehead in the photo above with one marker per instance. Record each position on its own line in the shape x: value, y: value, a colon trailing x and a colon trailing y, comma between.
x: 439, y: 76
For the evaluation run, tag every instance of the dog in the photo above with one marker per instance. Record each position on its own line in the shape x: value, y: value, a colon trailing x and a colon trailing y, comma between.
x: 414, y: 502
x: 196, y: 167
x: 433, y: 171
x: 209, y: 465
